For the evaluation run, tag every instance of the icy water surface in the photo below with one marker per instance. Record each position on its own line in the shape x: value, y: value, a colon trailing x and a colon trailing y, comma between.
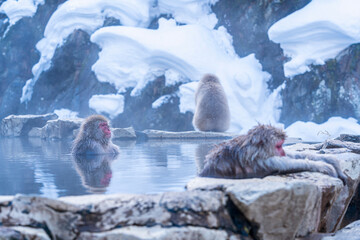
x: 35, y: 166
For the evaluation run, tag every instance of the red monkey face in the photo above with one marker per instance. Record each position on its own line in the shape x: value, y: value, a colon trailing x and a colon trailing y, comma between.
x: 105, y: 129
x: 279, y: 149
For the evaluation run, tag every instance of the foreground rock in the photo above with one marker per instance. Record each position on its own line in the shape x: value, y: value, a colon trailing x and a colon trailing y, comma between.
x: 15, y: 126
x: 273, y: 208
x: 350, y: 232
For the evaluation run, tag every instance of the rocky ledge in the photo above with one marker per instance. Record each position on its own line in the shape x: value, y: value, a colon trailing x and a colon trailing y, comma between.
x: 276, y: 207
x: 49, y: 126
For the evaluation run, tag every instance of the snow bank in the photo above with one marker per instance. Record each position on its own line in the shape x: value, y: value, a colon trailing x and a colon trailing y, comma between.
x: 17, y: 9
x: 64, y: 113
x: 317, y: 32
x: 89, y: 15
x: 112, y: 104
x: 190, y: 11
x: 309, y: 131
x: 131, y: 57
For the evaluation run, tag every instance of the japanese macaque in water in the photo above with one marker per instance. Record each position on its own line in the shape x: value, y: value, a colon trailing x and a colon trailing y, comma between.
x: 94, y: 137
x: 259, y: 153
x: 212, y: 110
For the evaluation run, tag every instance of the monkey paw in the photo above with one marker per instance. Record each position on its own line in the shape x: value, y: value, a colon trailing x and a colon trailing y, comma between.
x: 327, y: 169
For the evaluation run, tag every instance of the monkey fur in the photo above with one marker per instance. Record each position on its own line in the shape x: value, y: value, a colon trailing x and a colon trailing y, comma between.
x: 93, y: 139
x: 212, y: 111
x: 259, y: 153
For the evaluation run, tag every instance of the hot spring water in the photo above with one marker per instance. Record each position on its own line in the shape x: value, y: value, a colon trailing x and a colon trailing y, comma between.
x: 46, y: 168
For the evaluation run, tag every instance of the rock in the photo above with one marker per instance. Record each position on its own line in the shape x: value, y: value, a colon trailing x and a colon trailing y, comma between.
x: 35, y: 132
x: 350, y: 232
x: 334, y: 210
x: 123, y: 133
x: 334, y: 143
x: 292, y: 205
x: 60, y: 128
x: 349, y: 138
x: 279, y: 208
x: 20, y: 125
x: 157, y: 134
x: 137, y: 233
x: 23, y: 233
x: 318, y: 94
x: 67, y: 217
x: 8, y: 233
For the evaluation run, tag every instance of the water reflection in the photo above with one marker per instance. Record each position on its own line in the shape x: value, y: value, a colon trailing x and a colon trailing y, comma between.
x: 35, y: 166
x: 95, y: 171
x: 200, y: 153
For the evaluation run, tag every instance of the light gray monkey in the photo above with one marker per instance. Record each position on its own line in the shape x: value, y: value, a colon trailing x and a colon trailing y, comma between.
x: 212, y: 111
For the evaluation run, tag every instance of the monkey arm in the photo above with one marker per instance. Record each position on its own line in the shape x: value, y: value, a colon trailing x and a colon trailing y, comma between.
x: 328, y: 159
x: 113, y: 149
x: 290, y: 165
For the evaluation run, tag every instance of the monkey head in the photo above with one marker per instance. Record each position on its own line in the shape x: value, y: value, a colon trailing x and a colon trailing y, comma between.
x: 97, y: 127
x: 104, y: 126
x: 267, y: 138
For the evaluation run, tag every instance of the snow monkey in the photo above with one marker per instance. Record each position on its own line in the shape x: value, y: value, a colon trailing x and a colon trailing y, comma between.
x: 212, y: 109
x: 94, y: 137
x: 259, y: 153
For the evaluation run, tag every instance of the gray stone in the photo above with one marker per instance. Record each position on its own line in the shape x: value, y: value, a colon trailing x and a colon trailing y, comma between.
x: 35, y: 132
x: 334, y: 143
x: 23, y: 233
x: 350, y: 232
x: 157, y: 232
x: 60, y: 128
x: 123, y: 133
x: 279, y: 207
x: 8, y: 233
x: 157, y: 134
x: 20, y: 125
x: 69, y: 216
x: 349, y: 138
x: 291, y: 205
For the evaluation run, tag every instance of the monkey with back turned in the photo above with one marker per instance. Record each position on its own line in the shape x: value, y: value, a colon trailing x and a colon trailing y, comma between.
x: 94, y: 137
x: 259, y: 153
x: 212, y: 111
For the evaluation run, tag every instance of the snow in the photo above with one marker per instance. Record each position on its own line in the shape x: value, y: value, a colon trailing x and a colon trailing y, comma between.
x: 317, y: 32
x: 131, y: 57
x: 17, y: 9
x: 161, y: 100
x: 89, y: 15
x: 112, y: 104
x: 64, y: 113
x: 187, y: 45
x: 312, y: 132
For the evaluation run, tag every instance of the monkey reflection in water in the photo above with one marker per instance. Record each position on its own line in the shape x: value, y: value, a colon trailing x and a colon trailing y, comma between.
x: 94, y: 137
x: 94, y: 170
x: 259, y: 153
